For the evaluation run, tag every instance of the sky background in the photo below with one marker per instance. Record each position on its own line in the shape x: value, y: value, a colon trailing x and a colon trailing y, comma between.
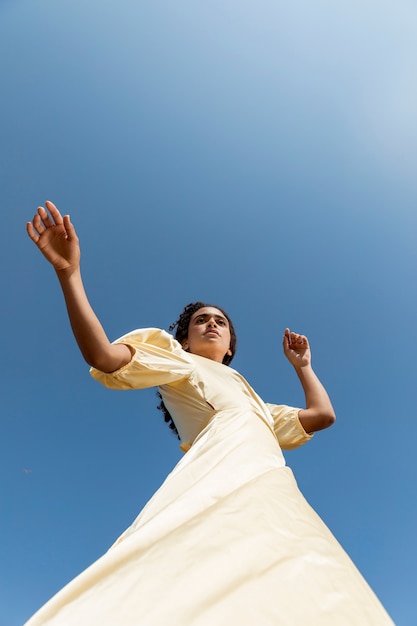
x: 259, y: 155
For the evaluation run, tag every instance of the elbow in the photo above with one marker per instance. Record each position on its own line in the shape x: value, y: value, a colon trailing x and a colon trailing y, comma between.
x: 94, y: 363
x: 314, y: 419
x: 324, y: 420
x: 100, y: 364
x: 331, y: 419
x: 328, y: 419
x: 109, y: 361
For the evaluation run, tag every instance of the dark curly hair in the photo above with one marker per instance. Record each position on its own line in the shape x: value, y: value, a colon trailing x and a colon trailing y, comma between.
x: 181, y: 333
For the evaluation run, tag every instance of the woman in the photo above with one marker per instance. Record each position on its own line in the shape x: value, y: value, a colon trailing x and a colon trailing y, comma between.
x: 228, y: 538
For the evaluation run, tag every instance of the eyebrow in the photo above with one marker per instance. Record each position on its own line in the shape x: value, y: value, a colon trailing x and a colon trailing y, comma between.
x: 206, y: 315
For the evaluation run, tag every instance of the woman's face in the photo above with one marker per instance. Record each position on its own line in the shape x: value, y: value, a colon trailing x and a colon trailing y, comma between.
x: 208, y: 334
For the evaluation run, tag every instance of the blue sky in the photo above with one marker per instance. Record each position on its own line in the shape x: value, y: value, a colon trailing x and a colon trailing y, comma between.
x: 261, y: 156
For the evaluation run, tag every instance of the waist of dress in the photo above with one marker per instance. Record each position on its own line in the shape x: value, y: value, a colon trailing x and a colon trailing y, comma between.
x: 235, y: 412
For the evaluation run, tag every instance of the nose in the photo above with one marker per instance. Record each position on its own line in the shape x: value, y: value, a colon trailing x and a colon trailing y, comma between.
x: 212, y: 322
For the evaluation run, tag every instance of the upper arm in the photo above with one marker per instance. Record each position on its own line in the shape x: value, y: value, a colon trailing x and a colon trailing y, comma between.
x: 147, y: 357
x: 314, y: 419
x: 288, y: 428
x: 116, y: 356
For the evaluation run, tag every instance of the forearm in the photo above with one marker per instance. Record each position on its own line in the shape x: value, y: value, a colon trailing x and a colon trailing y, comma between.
x: 319, y: 412
x: 88, y: 331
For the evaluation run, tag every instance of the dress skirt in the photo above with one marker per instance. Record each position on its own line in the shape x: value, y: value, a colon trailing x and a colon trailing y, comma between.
x: 220, y: 546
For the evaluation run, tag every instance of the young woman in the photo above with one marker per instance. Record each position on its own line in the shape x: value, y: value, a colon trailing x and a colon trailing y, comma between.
x: 228, y: 538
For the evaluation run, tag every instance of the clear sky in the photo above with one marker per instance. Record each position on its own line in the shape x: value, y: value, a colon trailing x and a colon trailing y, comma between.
x: 259, y: 155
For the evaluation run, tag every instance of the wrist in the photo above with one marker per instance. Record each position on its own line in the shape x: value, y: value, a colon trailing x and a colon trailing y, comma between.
x: 66, y: 273
x: 303, y: 369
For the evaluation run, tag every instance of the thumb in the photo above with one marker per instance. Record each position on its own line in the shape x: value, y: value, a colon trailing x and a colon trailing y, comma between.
x: 287, y: 339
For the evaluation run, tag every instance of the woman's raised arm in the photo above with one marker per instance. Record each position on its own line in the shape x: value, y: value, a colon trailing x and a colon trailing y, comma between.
x: 319, y: 412
x: 56, y: 238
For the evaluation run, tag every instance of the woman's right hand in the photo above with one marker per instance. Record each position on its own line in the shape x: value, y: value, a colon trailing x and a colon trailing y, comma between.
x: 55, y: 237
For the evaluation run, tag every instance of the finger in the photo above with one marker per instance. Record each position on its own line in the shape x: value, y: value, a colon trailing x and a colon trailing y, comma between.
x: 45, y: 217
x: 37, y: 224
x: 31, y: 232
x: 56, y: 215
x: 70, y: 230
x: 300, y: 341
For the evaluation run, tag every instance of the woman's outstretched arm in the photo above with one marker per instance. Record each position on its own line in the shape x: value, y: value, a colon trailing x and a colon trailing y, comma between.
x: 319, y: 412
x: 56, y: 238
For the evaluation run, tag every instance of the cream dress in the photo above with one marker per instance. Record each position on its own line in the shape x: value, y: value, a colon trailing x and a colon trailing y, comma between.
x: 228, y: 539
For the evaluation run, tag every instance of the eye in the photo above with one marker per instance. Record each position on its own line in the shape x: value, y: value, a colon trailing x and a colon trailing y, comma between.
x: 199, y: 320
x: 221, y: 321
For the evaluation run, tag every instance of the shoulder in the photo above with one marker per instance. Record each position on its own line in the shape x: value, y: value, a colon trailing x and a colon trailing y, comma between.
x: 152, y: 336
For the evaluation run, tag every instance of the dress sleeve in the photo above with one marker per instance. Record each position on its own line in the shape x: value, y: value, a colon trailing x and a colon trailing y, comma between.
x: 287, y: 426
x: 157, y: 359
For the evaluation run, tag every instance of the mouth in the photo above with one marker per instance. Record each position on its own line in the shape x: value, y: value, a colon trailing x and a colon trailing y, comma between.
x: 212, y: 332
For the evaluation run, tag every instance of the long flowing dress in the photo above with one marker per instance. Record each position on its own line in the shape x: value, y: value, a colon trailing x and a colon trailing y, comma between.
x: 228, y: 539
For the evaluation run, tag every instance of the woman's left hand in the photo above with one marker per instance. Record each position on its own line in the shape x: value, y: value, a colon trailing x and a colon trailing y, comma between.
x: 296, y: 349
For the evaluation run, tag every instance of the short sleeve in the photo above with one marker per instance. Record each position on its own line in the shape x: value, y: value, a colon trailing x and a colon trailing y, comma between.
x: 287, y: 426
x: 157, y: 359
